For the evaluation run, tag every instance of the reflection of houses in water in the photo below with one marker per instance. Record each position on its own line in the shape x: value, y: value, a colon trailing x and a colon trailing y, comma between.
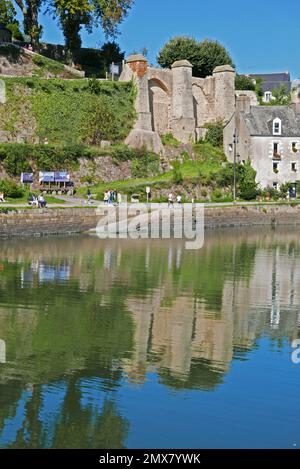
x: 45, y: 272
x: 2, y: 351
x: 178, y: 333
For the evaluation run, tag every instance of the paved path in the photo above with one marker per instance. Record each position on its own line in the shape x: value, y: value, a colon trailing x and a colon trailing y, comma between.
x: 69, y: 202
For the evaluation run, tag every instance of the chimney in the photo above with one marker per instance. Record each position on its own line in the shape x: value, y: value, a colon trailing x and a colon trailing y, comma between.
x: 243, y: 103
x: 296, y: 98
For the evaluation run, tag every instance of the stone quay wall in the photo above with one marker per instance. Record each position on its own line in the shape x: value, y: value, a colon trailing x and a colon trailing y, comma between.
x: 252, y: 215
x: 49, y: 221
x: 43, y: 222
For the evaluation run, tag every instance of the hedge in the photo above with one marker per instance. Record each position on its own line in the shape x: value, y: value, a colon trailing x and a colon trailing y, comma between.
x: 18, y: 157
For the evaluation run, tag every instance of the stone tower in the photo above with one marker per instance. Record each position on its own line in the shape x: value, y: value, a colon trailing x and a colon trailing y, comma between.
x: 183, y: 115
x: 142, y: 134
x: 224, y: 77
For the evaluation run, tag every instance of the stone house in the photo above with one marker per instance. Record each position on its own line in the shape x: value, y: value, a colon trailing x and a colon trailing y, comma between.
x: 268, y: 136
x: 270, y: 81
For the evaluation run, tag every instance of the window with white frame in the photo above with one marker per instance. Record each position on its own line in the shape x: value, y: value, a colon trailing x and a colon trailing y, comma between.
x: 275, y: 186
x: 277, y: 126
x: 294, y: 147
x: 268, y: 96
x: 275, y: 167
x: 294, y: 167
x: 276, y: 149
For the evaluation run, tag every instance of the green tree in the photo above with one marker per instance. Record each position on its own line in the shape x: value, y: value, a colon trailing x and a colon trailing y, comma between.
x: 30, y: 10
x: 204, y: 56
x: 281, y: 96
x: 242, y: 82
x: 7, y: 12
x: 179, y: 48
x: 75, y: 14
x: 258, y: 88
x: 247, y: 186
x: 214, y: 134
x: 111, y: 52
x: 212, y: 55
x: 8, y: 18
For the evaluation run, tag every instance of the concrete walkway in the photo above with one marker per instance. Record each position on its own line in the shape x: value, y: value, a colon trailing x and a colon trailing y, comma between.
x: 69, y: 202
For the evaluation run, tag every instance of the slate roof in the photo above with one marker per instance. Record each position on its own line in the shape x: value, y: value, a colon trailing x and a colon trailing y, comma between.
x: 259, y: 121
x: 273, y: 80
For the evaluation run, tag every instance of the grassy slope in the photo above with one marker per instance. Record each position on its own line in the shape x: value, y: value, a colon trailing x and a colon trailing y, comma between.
x: 207, y: 163
x: 59, y: 110
x: 39, y: 65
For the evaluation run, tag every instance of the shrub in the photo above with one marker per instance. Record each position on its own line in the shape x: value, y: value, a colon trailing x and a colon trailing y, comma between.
x: 145, y: 164
x: 225, y: 176
x: 177, y: 177
x: 284, y: 190
x: 10, y: 51
x: 216, y: 195
x: 169, y: 139
x: 243, y: 82
x: 247, y: 187
x: 214, y: 134
x: 122, y: 152
x: 270, y: 192
x: 11, y: 189
x: 17, y: 158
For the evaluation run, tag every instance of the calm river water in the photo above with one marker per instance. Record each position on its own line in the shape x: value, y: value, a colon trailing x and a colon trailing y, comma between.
x: 142, y: 344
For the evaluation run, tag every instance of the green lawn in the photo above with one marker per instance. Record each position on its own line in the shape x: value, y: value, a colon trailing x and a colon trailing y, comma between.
x: 24, y: 200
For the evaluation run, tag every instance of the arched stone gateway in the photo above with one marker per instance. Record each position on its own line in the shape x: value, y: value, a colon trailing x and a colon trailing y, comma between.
x: 174, y: 101
x: 160, y: 106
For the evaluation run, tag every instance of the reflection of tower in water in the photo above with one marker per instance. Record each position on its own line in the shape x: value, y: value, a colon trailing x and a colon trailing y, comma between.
x: 275, y: 304
x: 2, y: 351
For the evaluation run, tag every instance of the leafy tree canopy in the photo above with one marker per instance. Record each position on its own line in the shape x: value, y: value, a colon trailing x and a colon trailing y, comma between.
x: 8, y: 18
x: 7, y: 12
x: 204, y: 56
x: 75, y: 14
x: 242, y: 82
x: 281, y: 95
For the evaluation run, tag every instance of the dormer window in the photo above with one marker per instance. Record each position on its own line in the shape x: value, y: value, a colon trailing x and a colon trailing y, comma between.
x: 277, y: 127
x: 268, y: 96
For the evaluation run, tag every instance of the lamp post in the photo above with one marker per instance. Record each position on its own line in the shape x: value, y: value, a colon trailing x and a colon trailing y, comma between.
x: 234, y: 165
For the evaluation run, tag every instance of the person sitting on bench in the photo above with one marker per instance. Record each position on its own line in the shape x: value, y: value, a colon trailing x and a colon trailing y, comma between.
x: 2, y: 197
x: 42, y: 201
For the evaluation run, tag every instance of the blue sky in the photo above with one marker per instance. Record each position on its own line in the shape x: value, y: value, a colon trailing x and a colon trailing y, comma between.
x: 262, y: 35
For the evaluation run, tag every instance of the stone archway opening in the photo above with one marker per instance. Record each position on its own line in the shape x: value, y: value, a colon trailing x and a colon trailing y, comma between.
x: 160, y: 106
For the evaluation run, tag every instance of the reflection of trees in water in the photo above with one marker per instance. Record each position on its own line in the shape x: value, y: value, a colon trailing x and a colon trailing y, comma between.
x: 81, y: 427
x: 122, y: 309
x: 76, y: 426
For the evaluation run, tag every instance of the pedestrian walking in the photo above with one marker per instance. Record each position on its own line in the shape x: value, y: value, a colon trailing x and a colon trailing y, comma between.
x: 170, y: 201
x: 89, y: 196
